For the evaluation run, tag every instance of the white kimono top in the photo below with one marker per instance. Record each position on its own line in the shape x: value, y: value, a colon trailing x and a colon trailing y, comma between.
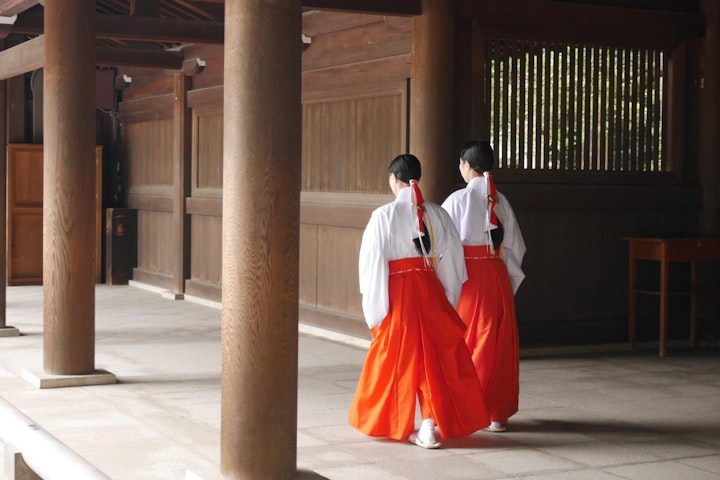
x: 389, y: 236
x: 468, y: 207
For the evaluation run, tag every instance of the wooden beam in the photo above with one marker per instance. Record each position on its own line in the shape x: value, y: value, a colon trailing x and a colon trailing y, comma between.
x: 23, y: 58
x: 147, y: 29
x: 30, y: 55
x: 380, y: 7
x: 8, y: 8
x: 159, y: 29
x: 130, y: 57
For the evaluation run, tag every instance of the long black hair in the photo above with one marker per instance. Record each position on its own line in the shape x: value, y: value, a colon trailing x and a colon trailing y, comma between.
x: 481, y: 158
x: 406, y: 167
x: 479, y: 154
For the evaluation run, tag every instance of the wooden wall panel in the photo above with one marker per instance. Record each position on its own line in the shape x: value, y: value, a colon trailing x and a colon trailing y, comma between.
x: 320, y: 22
x: 147, y: 109
x: 25, y: 266
x: 207, y: 150
x: 308, y: 264
x: 146, y: 83
x: 154, y: 236
x: 205, y: 203
x: 206, y: 249
x: 340, y: 209
x: 149, y: 151
x: 331, y: 230
x: 380, y: 39
x: 337, y: 273
x: 349, y: 142
x: 24, y: 250
x: 348, y: 79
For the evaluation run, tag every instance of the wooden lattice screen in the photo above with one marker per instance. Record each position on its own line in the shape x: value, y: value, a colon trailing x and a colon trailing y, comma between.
x: 572, y: 107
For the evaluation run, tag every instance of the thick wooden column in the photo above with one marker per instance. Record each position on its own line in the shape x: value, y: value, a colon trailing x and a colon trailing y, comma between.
x: 69, y: 188
x: 6, y: 129
x: 709, y: 124
x: 432, y: 97
x: 261, y: 208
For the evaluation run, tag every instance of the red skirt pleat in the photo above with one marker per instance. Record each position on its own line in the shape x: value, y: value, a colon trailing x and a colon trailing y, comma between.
x: 487, y: 306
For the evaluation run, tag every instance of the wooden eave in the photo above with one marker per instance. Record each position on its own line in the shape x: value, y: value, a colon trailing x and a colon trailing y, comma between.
x: 568, y: 22
x: 373, y: 7
x: 144, y: 29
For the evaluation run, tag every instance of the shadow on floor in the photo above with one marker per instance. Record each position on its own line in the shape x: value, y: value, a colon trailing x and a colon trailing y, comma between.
x: 308, y: 475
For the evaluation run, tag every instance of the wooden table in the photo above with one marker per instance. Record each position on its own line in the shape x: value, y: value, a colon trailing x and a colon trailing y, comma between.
x: 666, y: 251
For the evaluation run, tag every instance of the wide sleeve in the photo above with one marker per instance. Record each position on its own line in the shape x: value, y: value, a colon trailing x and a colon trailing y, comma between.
x: 513, y: 247
x: 450, y: 258
x: 374, y: 272
x: 454, y: 209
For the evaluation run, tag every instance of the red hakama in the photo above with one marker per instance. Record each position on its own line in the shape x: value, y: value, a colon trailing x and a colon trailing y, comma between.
x: 418, y: 349
x: 487, y: 306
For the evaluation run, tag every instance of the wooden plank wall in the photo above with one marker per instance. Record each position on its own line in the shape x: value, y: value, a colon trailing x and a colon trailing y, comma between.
x: 147, y: 128
x: 355, y: 115
x: 205, y: 203
x: 355, y: 94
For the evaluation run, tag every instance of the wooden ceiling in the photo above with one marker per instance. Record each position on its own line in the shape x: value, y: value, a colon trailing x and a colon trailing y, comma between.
x: 152, y: 33
x: 146, y: 33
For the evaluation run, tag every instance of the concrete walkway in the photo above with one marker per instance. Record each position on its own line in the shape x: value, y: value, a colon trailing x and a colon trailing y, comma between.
x: 595, y: 416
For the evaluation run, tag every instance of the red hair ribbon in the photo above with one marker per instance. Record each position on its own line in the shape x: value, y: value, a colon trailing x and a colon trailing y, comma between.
x: 492, y: 200
x: 419, y: 204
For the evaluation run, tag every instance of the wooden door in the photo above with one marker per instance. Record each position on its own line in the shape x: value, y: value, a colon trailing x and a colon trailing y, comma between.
x: 24, y: 214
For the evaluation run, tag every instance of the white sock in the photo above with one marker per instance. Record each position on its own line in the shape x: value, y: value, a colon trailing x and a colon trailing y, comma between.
x: 427, y: 431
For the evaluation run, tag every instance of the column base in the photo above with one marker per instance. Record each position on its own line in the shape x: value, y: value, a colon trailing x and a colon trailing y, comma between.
x: 170, y: 295
x: 214, y: 474
x: 9, y: 332
x: 15, y: 466
x: 45, y: 380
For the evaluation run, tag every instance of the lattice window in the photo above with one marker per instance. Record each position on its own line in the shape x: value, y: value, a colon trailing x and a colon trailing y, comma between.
x: 576, y: 108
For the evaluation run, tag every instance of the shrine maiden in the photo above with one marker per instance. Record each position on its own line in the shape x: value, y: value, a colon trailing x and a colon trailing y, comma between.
x: 411, y: 270
x: 494, y: 250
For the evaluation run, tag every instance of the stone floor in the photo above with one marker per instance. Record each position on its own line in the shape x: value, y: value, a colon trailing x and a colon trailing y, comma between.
x: 614, y: 415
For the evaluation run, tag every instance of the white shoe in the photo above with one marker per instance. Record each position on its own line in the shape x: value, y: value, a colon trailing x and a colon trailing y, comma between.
x: 425, y: 437
x: 495, y: 427
x: 414, y: 438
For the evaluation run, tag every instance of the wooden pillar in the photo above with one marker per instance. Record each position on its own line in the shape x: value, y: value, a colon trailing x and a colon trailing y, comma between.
x: 181, y: 175
x: 432, y: 97
x: 260, y: 244
x: 3, y: 202
x: 69, y: 188
x: 709, y: 124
